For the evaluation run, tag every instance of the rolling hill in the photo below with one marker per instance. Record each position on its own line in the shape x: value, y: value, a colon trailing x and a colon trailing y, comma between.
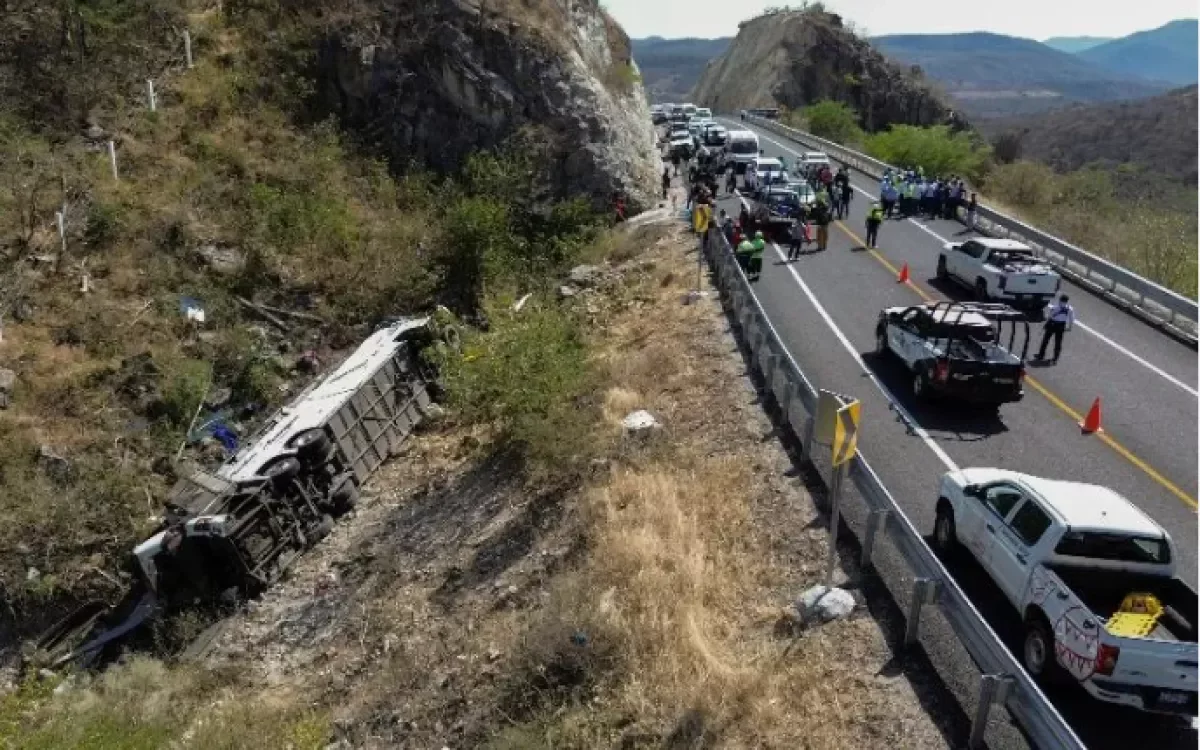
x: 1167, y: 53
x: 672, y: 67
x: 993, y: 75
x: 1075, y: 44
x: 1158, y: 133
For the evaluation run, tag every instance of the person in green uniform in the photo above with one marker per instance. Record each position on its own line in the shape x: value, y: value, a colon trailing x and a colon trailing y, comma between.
x: 744, y: 250
x: 758, y: 247
x: 874, y: 219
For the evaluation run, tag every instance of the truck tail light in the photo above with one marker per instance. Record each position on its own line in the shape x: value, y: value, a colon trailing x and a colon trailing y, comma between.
x: 941, y: 370
x: 1106, y: 659
x: 1021, y: 375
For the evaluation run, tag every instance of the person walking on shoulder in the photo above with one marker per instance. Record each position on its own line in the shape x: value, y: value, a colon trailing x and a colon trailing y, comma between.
x: 1060, y: 318
x: 666, y: 181
x: 972, y: 212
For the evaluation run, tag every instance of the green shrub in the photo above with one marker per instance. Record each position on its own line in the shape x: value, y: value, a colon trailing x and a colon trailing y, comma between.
x: 526, y: 374
x: 185, y: 383
x: 935, y: 149
x: 1022, y: 183
x: 833, y: 120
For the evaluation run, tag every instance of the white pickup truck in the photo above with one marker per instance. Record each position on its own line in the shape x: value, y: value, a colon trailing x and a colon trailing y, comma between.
x: 1093, y: 578
x: 1004, y: 270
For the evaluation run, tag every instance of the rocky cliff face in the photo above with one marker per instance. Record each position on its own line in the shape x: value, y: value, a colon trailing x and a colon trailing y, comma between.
x: 795, y: 58
x: 434, y: 80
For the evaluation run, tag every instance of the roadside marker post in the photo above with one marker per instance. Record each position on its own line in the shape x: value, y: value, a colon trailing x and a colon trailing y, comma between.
x: 836, y: 425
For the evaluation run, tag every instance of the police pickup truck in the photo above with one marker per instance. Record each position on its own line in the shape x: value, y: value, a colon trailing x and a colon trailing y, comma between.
x: 1092, y: 577
x: 999, y: 270
x: 957, y: 349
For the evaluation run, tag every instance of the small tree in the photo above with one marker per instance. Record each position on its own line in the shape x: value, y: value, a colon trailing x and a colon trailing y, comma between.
x: 936, y: 150
x: 833, y: 120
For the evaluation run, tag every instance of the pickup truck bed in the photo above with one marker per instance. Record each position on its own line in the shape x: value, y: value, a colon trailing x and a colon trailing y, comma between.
x: 1103, y: 595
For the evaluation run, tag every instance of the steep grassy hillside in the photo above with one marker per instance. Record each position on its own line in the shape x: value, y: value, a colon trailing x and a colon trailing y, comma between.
x: 239, y: 188
x: 794, y: 58
x: 991, y: 74
x: 671, y: 67
x: 1168, y: 53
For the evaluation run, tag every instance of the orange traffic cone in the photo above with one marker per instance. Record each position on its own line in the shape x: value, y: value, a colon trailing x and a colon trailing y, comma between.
x: 903, y: 274
x: 1091, y: 423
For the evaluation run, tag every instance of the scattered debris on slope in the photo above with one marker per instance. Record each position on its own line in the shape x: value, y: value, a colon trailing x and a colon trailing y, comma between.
x: 796, y: 58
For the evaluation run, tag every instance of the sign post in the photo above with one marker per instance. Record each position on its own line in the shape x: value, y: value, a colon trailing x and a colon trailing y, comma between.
x: 836, y: 425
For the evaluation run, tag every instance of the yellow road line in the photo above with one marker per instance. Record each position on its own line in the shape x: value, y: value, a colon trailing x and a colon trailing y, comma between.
x: 1050, y: 396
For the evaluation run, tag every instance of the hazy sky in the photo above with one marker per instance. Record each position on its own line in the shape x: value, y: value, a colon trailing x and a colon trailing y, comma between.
x: 1036, y: 19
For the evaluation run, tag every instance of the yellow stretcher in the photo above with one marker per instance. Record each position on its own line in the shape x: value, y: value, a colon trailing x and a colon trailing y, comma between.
x: 1137, y: 616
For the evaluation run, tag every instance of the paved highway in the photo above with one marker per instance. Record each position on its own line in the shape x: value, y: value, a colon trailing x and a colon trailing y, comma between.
x: 825, y: 307
x: 1147, y: 381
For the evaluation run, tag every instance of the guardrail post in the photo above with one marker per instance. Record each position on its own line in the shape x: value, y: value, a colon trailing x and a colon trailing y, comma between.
x: 771, y: 371
x: 993, y: 690
x: 810, y: 426
x: 877, y: 520
x: 925, y: 591
x: 835, y: 514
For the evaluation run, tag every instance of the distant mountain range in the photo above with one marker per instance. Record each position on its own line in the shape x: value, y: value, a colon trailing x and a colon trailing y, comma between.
x: 1158, y: 133
x: 1167, y: 53
x: 992, y: 74
x: 987, y: 75
x: 1075, y: 44
x: 671, y: 67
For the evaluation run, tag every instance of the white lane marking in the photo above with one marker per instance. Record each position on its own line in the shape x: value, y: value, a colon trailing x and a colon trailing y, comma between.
x: 1083, y: 326
x: 917, y: 429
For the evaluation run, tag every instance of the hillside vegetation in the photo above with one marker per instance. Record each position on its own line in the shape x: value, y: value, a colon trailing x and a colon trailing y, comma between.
x: 222, y: 197
x: 1157, y: 133
x: 1168, y: 53
x: 991, y: 74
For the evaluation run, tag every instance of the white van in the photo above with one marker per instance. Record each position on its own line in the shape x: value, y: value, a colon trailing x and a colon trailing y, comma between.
x: 689, y: 110
x: 741, y: 148
x: 761, y: 172
x: 703, y: 113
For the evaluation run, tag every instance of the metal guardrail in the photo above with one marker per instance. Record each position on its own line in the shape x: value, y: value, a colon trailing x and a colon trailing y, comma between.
x: 1150, y: 301
x: 1003, y: 680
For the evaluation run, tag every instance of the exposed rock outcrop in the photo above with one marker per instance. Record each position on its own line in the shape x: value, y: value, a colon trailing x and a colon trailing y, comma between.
x: 434, y: 80
x: 795, y: 58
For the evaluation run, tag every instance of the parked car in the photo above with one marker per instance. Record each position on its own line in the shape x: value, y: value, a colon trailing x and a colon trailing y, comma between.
x: 1092, y: 578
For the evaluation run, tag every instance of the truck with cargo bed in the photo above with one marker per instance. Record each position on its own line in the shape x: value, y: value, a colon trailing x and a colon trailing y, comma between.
x: 1092, y: 578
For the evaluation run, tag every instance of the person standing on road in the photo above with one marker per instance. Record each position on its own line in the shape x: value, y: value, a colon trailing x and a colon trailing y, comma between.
x: 758, y: 247
x: 874, y: 219
x: 731, y: 181
x: 666, y: 181
x: 797, y: 233
x: 821, y: 217
x: 846, y: 197
x: 888, y: 196
x: 972, y: 212
x: 1060, y: 318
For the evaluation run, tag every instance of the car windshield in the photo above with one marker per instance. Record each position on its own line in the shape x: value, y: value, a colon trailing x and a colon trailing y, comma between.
x: 743, y: 147
x: 1114, y: 547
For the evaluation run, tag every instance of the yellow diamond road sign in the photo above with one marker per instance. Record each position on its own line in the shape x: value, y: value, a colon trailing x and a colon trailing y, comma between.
x: 845, y: 433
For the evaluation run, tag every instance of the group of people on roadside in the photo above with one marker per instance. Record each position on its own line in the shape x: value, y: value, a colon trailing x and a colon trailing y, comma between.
x: 908, y: 192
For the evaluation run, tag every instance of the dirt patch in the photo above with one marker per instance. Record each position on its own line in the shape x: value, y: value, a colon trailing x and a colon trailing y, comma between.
x: 638, y: 605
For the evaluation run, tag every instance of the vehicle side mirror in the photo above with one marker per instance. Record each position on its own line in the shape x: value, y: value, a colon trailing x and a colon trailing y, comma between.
x: 973, y: 490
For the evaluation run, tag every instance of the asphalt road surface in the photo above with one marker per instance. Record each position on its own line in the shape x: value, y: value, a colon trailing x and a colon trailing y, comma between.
x: 825, y: 306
